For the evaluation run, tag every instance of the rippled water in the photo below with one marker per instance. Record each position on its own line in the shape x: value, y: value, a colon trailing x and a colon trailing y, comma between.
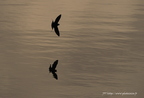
x: 100, y: 48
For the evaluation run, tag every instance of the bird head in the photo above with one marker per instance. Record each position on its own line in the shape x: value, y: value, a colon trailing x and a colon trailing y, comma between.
x: 52, y: 24
x: 50, y: 68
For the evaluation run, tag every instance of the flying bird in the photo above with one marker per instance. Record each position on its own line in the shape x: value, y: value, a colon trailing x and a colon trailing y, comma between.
x: 55, y: 24
x: 53, y: 70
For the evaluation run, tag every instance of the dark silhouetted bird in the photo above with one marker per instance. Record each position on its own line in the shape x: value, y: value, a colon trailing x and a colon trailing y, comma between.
x: 53, y: 70
x: 55, y: 24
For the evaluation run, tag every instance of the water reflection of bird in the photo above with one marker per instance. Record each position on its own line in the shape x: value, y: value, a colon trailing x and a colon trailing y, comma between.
x: 55, y: 24
x: 53, y: 70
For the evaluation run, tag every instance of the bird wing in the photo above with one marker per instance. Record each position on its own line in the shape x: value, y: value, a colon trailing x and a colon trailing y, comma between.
x: 54, y: 64
x: 57, y: 19
x: 57, y: 31
x: 55, y: 75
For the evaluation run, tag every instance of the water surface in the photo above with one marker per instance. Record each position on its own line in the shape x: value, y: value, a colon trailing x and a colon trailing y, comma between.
x: 100, y: 48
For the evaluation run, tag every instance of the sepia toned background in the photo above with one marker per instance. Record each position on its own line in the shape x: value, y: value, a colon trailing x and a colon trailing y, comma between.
x: 100, y: 48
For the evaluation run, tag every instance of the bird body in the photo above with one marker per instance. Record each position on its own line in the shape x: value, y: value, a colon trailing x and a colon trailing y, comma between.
x: 53, y: 70
x: 54, y: 25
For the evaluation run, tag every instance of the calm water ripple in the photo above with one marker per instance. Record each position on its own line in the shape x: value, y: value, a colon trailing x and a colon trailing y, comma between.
x: 100, y: 48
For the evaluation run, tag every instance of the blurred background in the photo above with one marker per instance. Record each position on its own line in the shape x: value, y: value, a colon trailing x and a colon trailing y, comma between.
x: 100, y: 48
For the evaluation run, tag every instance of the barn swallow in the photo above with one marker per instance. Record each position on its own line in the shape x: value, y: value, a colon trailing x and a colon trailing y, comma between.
x: 55, y: 24
x: 53, y: 70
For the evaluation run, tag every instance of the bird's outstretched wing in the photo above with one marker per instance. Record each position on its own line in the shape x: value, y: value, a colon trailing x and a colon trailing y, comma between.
x: 54, y: 64
x: 57, y: 31
x: 55, y: 75
x: 57, y: 19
